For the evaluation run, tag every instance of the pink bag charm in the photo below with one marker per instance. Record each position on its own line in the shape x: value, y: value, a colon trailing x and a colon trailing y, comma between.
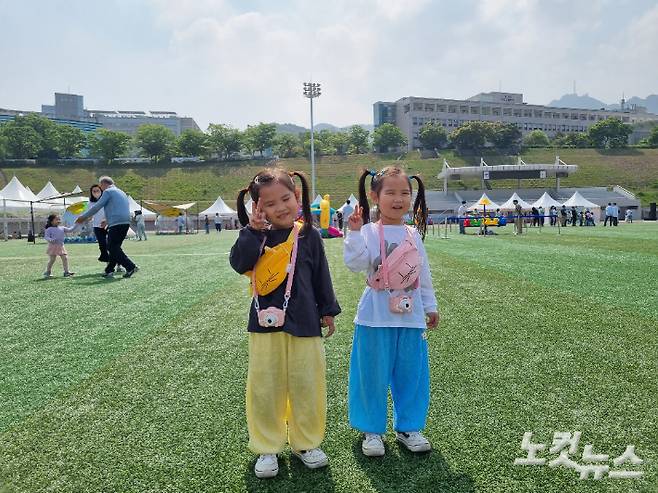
x: 401, y: 269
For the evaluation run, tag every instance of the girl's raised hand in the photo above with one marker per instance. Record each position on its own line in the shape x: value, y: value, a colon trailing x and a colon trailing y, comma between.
x: 356, y: 219
x: 258, y: 221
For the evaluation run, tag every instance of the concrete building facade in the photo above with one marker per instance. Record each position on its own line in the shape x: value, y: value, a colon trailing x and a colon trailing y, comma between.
x: 411, y: 113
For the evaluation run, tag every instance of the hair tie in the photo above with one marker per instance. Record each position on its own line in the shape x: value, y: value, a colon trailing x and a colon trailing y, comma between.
x: 372, y: 173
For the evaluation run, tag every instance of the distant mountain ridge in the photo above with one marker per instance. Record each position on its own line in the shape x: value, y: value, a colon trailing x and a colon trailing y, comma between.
x: 291, y: 128
x: 586, y: 102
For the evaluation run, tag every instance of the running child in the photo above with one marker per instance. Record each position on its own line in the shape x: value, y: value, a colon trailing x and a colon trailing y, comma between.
x: 55, y: 235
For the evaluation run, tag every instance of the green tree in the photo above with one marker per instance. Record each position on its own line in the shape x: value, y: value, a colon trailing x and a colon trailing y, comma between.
x: 45, y: 129
x: 286, y: 145
x: 536, y: 138
x: 472, y: 135
x: 577, y: 139
x: 359, y: 140
x: 108, y: 144
x: 70, y: 141
x: 4, y: 151
x: 609, y: 133
x: 192, y: 143
x: 249, y: 140
x: 432, y: 136
x: 263, y: 136
x: 224, y: 140
x: 155, y: 141
x: 340, y: 142
x: 388, y: 136
x: 21, y: 142
x: 505, y: 136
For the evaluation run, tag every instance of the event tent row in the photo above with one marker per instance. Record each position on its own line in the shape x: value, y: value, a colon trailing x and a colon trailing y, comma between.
x: 545, y: 201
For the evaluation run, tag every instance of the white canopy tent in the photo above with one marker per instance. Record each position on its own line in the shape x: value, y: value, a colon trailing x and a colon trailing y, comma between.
x: 77, y: 189
x: 509, y: 204
x: 134, y: 206
x: 577, y: 200
x: 482, y: 203
x: 18, y: 197
x: 353, y: 202
x: 317, y: 200
x: 580, y: 202
x: 546, y: 201
x: 48, y: 191
x: 219, y: 207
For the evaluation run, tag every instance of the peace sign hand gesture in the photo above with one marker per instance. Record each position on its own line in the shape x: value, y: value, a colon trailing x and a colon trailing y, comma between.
x: 356, y: 219
x: 258, y: 220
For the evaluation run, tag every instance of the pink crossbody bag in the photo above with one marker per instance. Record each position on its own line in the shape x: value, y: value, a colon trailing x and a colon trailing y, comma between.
x: 400, y: 270
x: 273, y: 316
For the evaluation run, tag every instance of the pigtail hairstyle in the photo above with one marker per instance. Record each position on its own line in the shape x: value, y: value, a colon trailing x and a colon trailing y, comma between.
x: 363, y: 195
x: 242, y: 208
x: 420, y: 207
x: 50, y: 220
x: 306, y: 201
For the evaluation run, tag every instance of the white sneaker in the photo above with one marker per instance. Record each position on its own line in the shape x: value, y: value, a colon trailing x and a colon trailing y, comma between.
x: 373, y: 445
x: 120, y: 269
x: 47, y: 275
x: 267, y: 466
x: 313, y: 459
x: 414, y: 441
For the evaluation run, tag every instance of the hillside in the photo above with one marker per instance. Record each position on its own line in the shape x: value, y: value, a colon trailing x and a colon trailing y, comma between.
x: 635, y: 169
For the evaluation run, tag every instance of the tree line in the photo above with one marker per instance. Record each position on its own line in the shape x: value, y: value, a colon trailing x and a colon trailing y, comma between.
x: 610, y: 133
x: 36, y: 137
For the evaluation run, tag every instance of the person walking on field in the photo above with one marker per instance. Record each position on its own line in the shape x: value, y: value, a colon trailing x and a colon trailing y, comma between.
x: 117, y: 215
x: 461, y: 214
x: 608, y: 214
x: 218, y: 223
x: 518, y: 218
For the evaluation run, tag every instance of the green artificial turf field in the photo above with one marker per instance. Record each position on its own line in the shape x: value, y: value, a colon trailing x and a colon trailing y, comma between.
x: 138, y: 385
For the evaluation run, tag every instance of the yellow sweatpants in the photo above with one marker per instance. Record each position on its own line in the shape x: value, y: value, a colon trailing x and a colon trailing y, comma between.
x: 286, y: 385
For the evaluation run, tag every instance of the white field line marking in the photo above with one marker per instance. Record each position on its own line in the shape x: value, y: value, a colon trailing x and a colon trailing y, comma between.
x: 131, y: 255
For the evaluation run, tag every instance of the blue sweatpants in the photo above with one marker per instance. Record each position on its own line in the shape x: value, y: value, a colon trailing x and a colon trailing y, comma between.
x: 384, y: 357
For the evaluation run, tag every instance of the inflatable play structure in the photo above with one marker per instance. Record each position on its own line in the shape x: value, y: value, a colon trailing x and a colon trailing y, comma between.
x: 323, y: 209
x: 484, y: 221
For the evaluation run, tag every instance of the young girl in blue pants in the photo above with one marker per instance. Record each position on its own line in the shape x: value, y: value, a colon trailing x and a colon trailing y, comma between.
x: 389, y: 349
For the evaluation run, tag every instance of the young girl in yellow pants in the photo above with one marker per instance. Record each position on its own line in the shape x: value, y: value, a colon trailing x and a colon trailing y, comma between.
x: 286, y: 396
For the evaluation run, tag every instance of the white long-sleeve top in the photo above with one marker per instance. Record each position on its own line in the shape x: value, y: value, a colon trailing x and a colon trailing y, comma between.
x: 361, y: 254
x: 98, y: 218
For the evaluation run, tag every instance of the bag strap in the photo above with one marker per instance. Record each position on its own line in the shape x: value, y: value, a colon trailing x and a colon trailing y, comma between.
x: 290, y: 268
x: 382, y: 254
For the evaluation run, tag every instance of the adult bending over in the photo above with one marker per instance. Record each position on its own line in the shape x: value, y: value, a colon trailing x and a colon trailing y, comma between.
x: 117, y: 215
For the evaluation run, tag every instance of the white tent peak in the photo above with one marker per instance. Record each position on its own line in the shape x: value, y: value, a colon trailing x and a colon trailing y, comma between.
x: 48, y: 191
x: 577, y: 200
x: 77, y: 189
x: 14, y: 190
x: 509, y: 204
x: 317, y: 200
x: 546, y: 201
x: 219, y: 207
x: 480, y: 204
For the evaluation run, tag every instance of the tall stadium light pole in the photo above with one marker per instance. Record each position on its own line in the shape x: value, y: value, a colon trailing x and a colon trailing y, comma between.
x: 312, y: 90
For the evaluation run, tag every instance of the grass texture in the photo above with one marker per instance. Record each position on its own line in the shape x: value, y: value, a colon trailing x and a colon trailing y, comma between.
x: 138, y: 385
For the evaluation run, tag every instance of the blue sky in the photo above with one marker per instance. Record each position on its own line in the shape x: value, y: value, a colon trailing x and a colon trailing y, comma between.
x: 241, y: 62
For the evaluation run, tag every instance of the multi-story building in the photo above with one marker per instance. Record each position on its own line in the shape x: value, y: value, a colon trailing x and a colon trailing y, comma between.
x: 411, y: 113
x: 69, y: 109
